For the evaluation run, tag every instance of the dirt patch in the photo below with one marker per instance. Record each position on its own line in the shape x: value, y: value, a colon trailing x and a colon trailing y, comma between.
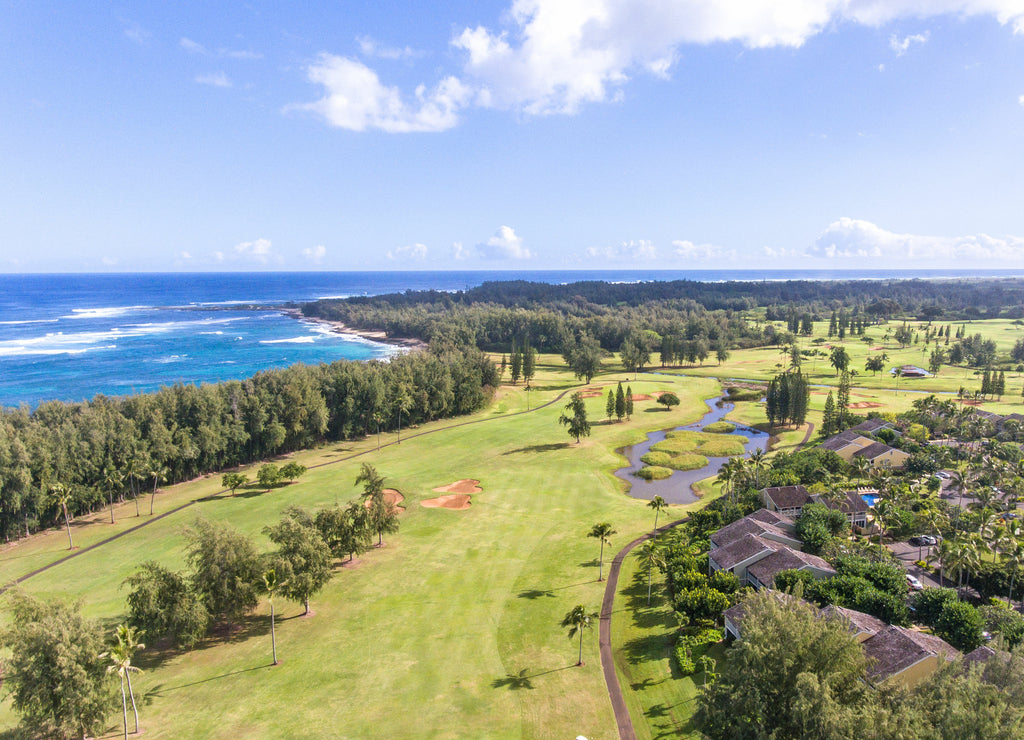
x: 455, y: 501
x: 875, y: 349
x: 466, y: 485
x: 865, y: 405
x: 590, y: 394
x: 972, y: 402
x: 641, y: 397
x: 391, y: 498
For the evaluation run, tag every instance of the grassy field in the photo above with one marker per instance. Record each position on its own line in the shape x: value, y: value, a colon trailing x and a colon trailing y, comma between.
x: 450, y: 630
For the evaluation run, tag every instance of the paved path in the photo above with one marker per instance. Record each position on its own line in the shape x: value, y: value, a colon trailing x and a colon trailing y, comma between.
x: 604, y: 640
x: 810, y: 431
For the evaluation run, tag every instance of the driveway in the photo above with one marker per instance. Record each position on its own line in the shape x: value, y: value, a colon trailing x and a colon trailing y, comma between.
x: 908, y: 554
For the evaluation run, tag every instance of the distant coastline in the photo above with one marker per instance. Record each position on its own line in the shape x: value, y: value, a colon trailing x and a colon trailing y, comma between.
x: 339, y: 327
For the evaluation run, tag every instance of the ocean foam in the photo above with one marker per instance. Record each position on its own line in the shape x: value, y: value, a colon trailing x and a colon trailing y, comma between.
x: 292, y: 340
x: 103, y: 313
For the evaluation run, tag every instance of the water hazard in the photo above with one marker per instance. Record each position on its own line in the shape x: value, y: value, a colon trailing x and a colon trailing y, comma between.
x: 677, y: 488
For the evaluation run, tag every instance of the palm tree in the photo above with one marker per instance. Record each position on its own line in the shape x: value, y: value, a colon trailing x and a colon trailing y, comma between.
x: 960, y: 478
x: 726, y: 475
x: 159, y: 475
x: 271, y: 585
x: 602, y: 532
x: 402, y: 404
x: 659, y: 505
x: 883, y: 509
x: 942, y: 555
x: 378, y: 417
x: 132, y: 473
x: 757, y: 463
x: 963, y: 556
x: 577, y: 620
x: 650, y: 555
x: 1013, y: 556
x: 112, y: 478
x: 121, y: 662
x: 860, y: 467
x: 61, y: 495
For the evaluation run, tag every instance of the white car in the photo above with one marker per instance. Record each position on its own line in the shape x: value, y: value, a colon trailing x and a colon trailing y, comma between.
x: 914, y: 583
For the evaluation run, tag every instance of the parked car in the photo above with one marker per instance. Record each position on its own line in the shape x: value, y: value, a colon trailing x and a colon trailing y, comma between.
x: 914, y: 583
x: 942, y: 474
x: 923, y: 539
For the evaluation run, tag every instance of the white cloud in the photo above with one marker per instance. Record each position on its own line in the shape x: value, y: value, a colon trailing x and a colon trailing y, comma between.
x: 459, y: 252
x: 781, y: 253
x: 256, y: 251
x: 850, y: 238
x: 108, y: 261
x: 1021, y: 100
x: 504, y: 245
x: 243, y: 54
x: 214, y: 79
x: 192, y: 47
x: 900, y: 46
x: 184, y: 255
x: 356, y: 99
x: 371, y: 48
x: 136, y: 33
x: 413, y: 252
x: 687, y: 250
x: 314, y: 254
x: 634, y: 250
x: 218, y: 256
x: 554, y: 56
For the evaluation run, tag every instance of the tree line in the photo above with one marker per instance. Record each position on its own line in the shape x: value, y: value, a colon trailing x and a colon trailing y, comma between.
x: 77, y: 457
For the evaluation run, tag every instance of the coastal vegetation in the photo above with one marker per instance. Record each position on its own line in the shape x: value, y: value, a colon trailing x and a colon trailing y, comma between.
x: 72, y: 458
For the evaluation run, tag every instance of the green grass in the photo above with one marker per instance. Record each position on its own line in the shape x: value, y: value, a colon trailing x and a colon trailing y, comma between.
x: 451, y: 630
x: 720, y: 427
x: 654, y: 472
x: 709, y: 445
x: 661, y: 701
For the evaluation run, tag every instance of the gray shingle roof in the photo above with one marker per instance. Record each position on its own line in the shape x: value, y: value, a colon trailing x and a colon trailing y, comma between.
x: 895, y: 649
x: 740, y: 550
x: 858, y: 621
x: 788, y: 497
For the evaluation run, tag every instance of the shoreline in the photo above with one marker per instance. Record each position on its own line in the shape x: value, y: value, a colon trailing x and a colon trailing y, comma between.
x: 338, y: 327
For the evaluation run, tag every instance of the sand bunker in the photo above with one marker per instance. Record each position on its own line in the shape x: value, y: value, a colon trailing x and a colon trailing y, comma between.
x: 865, y: 405
x: 466, y: 485
x: 640, y: 397
x: 391, y: 498
x: 590, y: 394
x: 456, y: 501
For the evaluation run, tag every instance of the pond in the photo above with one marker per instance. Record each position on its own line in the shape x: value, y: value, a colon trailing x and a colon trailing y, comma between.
x: 678, y: 488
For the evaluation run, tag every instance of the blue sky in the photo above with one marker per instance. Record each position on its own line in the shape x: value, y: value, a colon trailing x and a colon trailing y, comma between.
x: 531, y: 133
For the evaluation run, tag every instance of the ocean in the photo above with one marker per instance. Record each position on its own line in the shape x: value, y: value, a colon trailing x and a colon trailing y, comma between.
x: 69, y: 337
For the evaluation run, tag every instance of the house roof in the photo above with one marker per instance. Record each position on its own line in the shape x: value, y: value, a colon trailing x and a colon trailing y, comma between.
x: 980, y: 654
x: 740, y: 550
x: 784, y: 558
x: 843, y: 439
x: 874, y: 450
x: 747, y: 525
x: 894, y: 649
x: 787, y: 497
x: 871, y: 426
x: 772, y: 517
x: 858, y: 622
x: 737, y: 612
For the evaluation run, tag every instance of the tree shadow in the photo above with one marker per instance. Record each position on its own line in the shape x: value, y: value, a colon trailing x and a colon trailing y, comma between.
x: 521, y: 680
x: 539, y: 448
x: 159, y: 691
x: 535, y: 593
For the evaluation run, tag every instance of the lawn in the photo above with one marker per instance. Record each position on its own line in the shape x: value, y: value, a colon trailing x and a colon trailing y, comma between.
x: 451, y: 630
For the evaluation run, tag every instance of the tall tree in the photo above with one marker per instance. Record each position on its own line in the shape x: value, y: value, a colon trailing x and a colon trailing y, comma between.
x: 620, y: 402
x: 120, y: 656
x: 629, y: 402
x: 159, y: 475
x: 839, y: 359
x: 603, y: 533
x: 303, y: 559
x: 517, y: 364
x: 55, y: 671
x: 529, y: 364
x: 828, y: 419
x: 61, y: 495
x: 658, y: 504
x: 609, y: 406
x: 578, y: 620
x: 271, y: 585
x: 575, y: 417
x: 585, y: 358
x: 651, y: 557
x: 112, y: 479
x: 225, y: 569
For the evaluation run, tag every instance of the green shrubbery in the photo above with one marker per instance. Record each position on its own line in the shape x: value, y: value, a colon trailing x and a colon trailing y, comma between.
x: 720, y: 427
x: 653, y: 472
x: 690, y: 646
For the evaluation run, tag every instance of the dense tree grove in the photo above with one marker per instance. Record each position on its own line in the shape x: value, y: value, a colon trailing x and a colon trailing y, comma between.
x: 183, y: 431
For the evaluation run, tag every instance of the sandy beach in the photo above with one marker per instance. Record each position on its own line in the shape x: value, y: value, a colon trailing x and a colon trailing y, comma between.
x: 340, y: 328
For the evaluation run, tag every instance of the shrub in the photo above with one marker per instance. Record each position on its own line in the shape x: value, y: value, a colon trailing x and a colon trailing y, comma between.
x: 688, y: 461
x: 690, y: 647
x: 720, y: 427
x: 961, y: 625
x: 653, y: 472
x: 656, y: 458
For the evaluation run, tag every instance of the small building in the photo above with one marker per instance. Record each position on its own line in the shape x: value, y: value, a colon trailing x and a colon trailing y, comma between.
x: 762, y: 573
x: 905, y: 655
x: 849, y: 445
x: 871, y: 426
x: 861, y: 625
x: 911, y: 371
x: 788, y: 501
